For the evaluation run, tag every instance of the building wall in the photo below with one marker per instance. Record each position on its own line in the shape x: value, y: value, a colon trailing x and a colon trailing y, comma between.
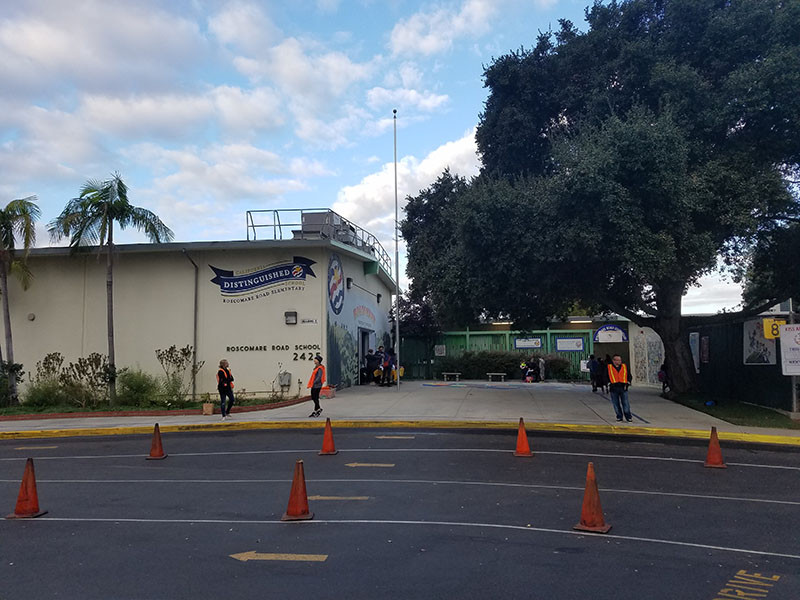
x: 154, y: 308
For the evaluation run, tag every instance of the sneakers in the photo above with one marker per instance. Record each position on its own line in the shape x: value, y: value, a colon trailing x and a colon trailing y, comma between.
x: 315, y: 413
x: 619, y: 419
x: 629, y: 420
x: 224, y: 418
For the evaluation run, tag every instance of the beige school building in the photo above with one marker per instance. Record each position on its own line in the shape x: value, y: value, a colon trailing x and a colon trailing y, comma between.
x: 320, y: 285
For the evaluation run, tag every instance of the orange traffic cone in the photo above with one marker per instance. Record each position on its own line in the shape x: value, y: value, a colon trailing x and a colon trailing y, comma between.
x: 714, y: 457
x: 523, y: 449
x: 28, y: 500
x: 156, y: 451
x: 327, y: 440
x: 298, y: 499
x: 592, y: 512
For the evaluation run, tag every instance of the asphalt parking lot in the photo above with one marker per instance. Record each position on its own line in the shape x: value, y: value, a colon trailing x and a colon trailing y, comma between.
x: 408, y: 513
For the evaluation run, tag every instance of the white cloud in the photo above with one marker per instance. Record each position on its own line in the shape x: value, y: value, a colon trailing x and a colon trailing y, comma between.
x: 379, y: 97
x: 96, y: 46
x: 435, y: 31
x: 370, y: 203
x: 308, y: 78
x: 173, y: 116
x: 713, y: 294
x: 245, y: 26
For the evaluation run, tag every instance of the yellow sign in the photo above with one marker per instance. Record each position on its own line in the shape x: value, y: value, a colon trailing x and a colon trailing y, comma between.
x: 772, y: 327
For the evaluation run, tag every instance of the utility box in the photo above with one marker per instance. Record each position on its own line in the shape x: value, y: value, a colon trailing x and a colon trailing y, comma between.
x: 285, y: 379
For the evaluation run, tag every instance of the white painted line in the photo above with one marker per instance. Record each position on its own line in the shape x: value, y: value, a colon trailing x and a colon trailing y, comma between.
x: 461, y: 450
x: 418, y: 482
x: 587, y: 536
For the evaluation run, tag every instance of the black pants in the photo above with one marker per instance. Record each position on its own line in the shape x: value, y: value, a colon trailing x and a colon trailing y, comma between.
x: 223, y: 394
x: 315, y: 397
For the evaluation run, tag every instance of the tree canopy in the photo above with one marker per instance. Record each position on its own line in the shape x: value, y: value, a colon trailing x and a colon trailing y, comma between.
x: 619, y: 164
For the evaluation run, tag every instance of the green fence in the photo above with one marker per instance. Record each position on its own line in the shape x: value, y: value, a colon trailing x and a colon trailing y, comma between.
x: 418, y: 355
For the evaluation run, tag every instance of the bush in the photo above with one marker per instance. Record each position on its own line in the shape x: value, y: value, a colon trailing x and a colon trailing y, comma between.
x: 6, y: 368
x: 137, y: 388
x: 44, y: 394
x: 475, y: 365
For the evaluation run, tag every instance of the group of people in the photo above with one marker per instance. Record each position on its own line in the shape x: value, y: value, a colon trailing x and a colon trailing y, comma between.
x: 227, y: 399
x: 378, y: 367
x: 532, y: 370
x: 611, y: 375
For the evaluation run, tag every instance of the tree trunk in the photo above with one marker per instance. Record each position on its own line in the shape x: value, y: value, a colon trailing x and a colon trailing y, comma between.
x: 112, y: 382
x: 12, y: 376
x: 678, y: 355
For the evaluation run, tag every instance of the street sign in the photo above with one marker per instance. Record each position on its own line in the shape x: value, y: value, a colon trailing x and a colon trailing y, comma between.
x: 772, y: 327
x: 790, y: 349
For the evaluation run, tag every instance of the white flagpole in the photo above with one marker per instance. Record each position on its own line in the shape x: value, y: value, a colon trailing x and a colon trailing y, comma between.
x: 396, y: 262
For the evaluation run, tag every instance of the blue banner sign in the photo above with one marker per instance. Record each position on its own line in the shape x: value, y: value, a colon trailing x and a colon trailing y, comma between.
x: 230, y: 284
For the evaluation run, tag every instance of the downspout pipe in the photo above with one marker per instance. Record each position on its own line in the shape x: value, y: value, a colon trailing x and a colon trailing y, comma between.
x: 194, y: 324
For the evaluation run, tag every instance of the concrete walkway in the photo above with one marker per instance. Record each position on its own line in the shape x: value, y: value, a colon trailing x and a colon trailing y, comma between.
x: 476, y: 404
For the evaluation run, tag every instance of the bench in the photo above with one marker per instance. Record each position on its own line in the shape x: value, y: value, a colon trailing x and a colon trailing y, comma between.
x: 491, y: 376
x: 456, y: 375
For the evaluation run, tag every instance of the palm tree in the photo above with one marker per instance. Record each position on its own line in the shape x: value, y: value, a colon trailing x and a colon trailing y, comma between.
x: 89, y: 219
x: 18, y: 218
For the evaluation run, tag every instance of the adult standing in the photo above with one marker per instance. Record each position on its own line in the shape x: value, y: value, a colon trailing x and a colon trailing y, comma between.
x: 315, y: 382
x: 619, y: 379
x: 594, y: 368
x: 225, y: 388
x: 388, y: 366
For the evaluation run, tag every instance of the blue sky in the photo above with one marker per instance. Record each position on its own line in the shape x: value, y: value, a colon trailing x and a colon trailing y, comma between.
x: 210, y: 108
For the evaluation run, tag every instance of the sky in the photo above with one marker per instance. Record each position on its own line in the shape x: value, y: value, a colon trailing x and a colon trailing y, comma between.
x: 211, y: 108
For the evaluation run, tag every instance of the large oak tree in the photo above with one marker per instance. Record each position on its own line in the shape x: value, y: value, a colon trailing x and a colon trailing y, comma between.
x: 619, y: 164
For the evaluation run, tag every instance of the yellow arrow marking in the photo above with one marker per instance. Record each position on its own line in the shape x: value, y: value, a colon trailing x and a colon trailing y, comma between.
x: 369, y: 465
x: 35, y: 447
x: 253, y: 555
x: 338, y: 497
x: 394, y: 437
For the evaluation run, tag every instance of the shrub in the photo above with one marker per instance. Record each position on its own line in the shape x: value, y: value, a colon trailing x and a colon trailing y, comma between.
x: 137, y: 388
x: 475, y: 365
x: 177, y: 363
x: 6, y: 368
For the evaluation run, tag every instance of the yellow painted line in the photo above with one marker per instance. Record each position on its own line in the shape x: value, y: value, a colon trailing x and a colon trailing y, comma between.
x: 338, y: 497
x: 369, y: 465
x: 395, y: 437
x: 786, y: 440
x: 253, y: 555
x: 36, y: 448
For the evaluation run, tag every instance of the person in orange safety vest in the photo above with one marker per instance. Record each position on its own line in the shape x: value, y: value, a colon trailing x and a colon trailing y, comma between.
x: 225, y: 388
x: 619, y: 378
x: 315, y: 383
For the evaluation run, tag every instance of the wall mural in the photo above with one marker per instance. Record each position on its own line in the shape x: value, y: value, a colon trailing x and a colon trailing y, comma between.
x: 347, y: 311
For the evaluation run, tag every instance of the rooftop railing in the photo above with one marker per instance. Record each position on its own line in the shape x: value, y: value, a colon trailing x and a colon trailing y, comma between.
x: 314, y: 224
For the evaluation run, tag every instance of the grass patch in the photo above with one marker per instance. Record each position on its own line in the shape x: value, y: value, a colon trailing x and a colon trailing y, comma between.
x: 738, y: 413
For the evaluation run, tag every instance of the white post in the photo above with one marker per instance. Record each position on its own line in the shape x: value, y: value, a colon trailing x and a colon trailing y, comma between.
x: 795, y: 406
x: 396, y: 262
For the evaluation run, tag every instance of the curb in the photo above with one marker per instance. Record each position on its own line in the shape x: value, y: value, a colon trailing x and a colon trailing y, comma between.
x: 752, y: 438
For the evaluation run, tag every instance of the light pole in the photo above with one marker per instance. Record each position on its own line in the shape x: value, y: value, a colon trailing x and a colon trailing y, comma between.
x: 396, y: 262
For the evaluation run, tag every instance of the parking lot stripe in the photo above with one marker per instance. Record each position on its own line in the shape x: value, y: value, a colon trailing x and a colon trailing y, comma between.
x: 394, y: 437
x: 253, y: 555
x: 379, y: 465
x: 338, y: 497
x: 603, y: 539
x: 458, y: 450
x: 421, y: 482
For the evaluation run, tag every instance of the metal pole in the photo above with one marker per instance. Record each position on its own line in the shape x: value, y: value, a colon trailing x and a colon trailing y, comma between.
x: 795, y: 406
x: 396, y: 262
